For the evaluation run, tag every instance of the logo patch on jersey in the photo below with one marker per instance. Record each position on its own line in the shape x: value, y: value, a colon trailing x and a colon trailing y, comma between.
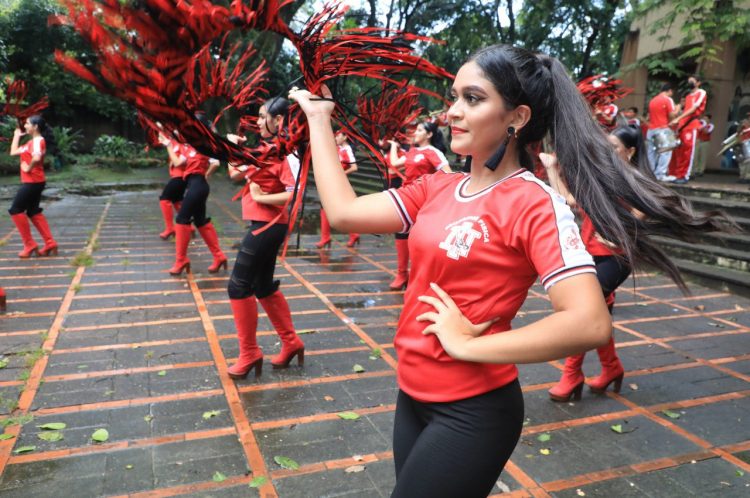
x: 571, y: 240
x: 461, y: 235
x: 418, y: 157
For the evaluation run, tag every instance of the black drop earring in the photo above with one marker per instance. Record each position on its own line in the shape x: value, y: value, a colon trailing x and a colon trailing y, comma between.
x: 495, y: 159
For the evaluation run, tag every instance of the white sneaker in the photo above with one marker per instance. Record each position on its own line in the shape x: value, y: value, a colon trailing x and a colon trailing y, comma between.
x: 667, y: 178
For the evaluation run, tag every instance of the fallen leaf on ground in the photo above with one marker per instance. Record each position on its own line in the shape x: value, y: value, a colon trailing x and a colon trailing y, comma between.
x: 544, y: 451
x: 161, y: 373
x: 671, y: 414
x: 100, y: 435
x: 616, y: 428
x: 5, y: 436
x: 329, y: 398
x: 4, y: 363
x: 129, y: 466
x: 580, y: 492
x: 211, y: 414
x: 50, y: 436
x: 24, y: 449
x: 699, y: 307
x: 358, y: 458
x: 634, y: 387
x: 53, y: 426
x: 219, y: 477
x: 286, y: 462
x: 354, y: 468
x: 544, y: 437
x: 258, y: 481
x: 148, y: 418
x: 348, y: 415
x: 358, y: 368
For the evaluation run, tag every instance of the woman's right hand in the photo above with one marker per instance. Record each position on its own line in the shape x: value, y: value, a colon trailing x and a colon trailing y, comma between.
x: 313, y: 105
x: 18, y: 132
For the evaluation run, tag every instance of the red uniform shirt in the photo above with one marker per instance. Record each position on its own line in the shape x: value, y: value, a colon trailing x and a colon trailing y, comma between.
x: 423, y: 161
x: 485, y: 250
x: 176, y: 171
x: 197, y: 164
x: 658, y: 111
x: 271, y: 180
x: 704, y: 132
x: 609, y: 112
x: 346, y: 156
x: 588, y: 234
x: 34, y: 147
x: 696, y: 97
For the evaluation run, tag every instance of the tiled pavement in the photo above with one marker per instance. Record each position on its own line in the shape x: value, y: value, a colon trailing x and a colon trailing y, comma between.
x: 143, y: 355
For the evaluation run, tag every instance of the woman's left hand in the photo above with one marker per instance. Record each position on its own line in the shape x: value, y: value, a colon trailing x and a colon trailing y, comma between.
x: 256, y: 191
x: 450, y: 326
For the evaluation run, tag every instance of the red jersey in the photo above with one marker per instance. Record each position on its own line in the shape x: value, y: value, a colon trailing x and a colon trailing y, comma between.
x: 423, y: 161
x: 588, y: 234
x: 176, y: 171
x: 485, y: 250
x: 346, y: 156
x: 197, y: 164
x: 658, y: 111
x: 271, y: 180
x: 696, y: 97
x: 34, y: 147
x: 704, y: 132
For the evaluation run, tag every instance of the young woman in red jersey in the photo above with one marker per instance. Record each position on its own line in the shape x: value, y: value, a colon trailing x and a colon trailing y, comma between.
x: 483, y: 238
x: 349, y: 163
x: 252, y: 275
x: 26, y: 202
x: 193, y: 209
x: 611, y: 270
x: 426, y: 156
x: 174, y: 190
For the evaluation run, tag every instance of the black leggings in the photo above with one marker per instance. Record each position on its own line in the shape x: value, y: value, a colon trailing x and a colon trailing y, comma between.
x: 174, y: 190
x: 193, y: 206
x: 611, y: 272
x: 256, y: 261
x: 27, y: 199
x: 458, y: 448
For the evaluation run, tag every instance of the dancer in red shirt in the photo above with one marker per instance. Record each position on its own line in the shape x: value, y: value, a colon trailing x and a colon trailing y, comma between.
x: 661, y: 110
x: 193, y: 209
x: 174, y: 190
x: 611, y: 270
x: 349, y: 163
x: 485, y: 237
x: 265, y: 201
x: 424, y: 157
x: 26, y: 202
x: 688, y: 123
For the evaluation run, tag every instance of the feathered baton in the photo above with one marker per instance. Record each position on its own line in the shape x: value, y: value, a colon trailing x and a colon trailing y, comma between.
x: 15, y: 102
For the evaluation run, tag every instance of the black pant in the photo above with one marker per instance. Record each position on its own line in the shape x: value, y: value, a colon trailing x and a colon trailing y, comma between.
x: 611, y: 271
x: 193, y: 206
x: 174, y: 190
x: 27, y: 199
x: 455, y: 449
x: 256, y: 261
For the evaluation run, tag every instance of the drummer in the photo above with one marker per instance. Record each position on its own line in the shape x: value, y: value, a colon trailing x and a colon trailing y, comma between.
x: 661, y: 110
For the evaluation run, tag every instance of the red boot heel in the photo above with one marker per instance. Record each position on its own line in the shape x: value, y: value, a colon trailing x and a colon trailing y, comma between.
x: 217, y: 265
x: 563, y: 397
x: 237, y: 371
x: 48, y: 251
x: 323, y: 243
x: 28, y: 252
x: 285, y: 358
x: 571, y: 382
x: 176, y: 270
x: 600, y: 387
x: 353, y: 240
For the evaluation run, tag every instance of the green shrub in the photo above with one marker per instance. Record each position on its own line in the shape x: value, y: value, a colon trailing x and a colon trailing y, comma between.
x: 114, y: 146
x: 67, y: 142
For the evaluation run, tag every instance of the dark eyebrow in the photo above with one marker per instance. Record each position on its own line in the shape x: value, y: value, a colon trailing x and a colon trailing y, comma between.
x: 472, y: 88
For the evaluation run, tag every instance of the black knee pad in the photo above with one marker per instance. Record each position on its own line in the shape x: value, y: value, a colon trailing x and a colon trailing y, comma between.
x: 267, y: 291
x: 200, y: 223
x: 30, y: 212
x: 238, y: 290
x: 14, y: 211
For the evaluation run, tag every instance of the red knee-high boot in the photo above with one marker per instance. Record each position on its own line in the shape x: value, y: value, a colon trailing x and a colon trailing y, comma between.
x: 278, y: 313
x: 571, y: 382
x: 24, y: 229
x: 245, y: 313
x: 166, y: 213
x: 50, y: 246
x: 353, y: 240
x: 211, y: 238
x: 325, y: 231
x: 402, y: 253
x: 612, y: 370
x: 181, y: 242
x: 177, y: 206
x: 3, y: 299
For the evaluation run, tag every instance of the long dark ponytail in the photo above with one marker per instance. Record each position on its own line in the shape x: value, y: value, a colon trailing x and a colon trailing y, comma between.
x: 436, y: 140
x: 46, y: 132
x: 603, y: 186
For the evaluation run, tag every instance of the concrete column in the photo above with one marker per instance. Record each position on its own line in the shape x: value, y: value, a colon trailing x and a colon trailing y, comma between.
x: 635, y: 78
x: 720, y: 76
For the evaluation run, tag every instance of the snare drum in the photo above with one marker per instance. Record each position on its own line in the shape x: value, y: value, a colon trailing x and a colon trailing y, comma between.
x: 665, y: 140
